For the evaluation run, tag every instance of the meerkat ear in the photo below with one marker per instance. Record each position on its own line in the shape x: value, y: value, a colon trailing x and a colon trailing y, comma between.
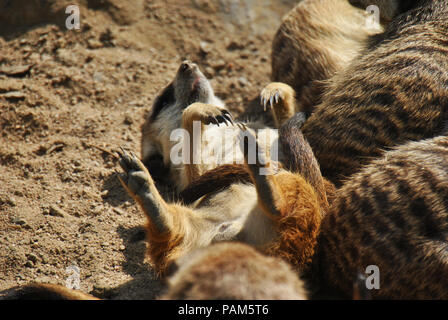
x: 163, y: 99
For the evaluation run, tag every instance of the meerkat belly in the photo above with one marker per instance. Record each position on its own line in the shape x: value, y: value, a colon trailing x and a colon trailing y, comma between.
x: 223, y: 145
x: 235, y: 215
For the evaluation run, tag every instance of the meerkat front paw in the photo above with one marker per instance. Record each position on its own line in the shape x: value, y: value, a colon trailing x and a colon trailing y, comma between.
x: 207, y: 114
x: 280, y: 98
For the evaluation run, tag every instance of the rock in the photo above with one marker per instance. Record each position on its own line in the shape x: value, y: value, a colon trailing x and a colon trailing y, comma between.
x: 128, y: 120
x: 102, y: 290
x: 137, y: 104
x: 205, y: 47
x: 10, y: 84
x: 8, y: 200
x: 32, y: 257
x: 98, y: 76
x: 57, y: 212
x: 43, y: 259
x: 233, y: 45
x: 19, y: 221
x: 119, y: 211
x: 14, y: 95
x: 218, y: 64
x: 209, y: 72
x: 15, y: 71
x: 243, y: 81
x: 94, y: 44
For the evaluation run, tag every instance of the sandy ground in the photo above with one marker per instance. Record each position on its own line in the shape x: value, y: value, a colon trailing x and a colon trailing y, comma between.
x: 69, y: 96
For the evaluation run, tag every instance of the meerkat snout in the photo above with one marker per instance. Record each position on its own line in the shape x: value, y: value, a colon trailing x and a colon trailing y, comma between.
x: 191, y: 84
x: 187, y: 66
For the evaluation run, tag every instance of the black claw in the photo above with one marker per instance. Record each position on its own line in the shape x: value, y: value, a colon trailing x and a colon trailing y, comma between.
x: 228, y: 118
x: 220, y: 119
x: 227, y: 113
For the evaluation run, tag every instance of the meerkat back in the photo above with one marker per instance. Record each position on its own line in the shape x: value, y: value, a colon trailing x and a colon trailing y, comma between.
x: 393, y: 93
x: 234, y: 271
x: 392, y: 219
x: 315, y: 40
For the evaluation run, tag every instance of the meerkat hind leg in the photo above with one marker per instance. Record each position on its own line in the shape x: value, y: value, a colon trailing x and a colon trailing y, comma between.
x: 139, y: 184
x: 268, y: 195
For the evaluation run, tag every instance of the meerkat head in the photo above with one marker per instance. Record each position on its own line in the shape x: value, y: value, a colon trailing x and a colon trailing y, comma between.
x: 190, y: 85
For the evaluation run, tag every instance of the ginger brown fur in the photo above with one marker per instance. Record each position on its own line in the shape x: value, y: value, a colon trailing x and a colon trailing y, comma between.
x: 233, y: 271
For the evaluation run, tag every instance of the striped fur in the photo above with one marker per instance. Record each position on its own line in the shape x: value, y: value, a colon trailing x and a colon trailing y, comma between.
x: 316, y: 39
x: 233, y: 271
x: 397, y: 91
x: 392, y: 214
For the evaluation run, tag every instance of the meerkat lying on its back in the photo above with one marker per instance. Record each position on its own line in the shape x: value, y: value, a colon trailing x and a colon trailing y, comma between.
x: 189, y: 86
x: 189, y: 131
x: 393, y: 215
x: 277, y: 212
x: 233, y: 271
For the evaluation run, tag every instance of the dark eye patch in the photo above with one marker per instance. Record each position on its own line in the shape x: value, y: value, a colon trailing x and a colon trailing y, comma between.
x: 164, y: 99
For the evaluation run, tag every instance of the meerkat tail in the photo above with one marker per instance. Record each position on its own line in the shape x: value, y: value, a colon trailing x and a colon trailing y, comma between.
x: 261, y: 175
x: 299, y: 157
x: 138, y: 183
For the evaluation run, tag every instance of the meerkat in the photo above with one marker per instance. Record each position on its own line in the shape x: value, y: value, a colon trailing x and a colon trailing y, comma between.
x: 393, y: 214
x: 189, y: 86
x: 316, y: 39
x: 394, y: 92
x: 233, y: 271
x: 170, y: 131
x: 44, y: 291
x: 276, y: 212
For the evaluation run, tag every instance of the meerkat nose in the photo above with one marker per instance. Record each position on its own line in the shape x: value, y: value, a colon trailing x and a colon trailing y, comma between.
x: 185, y: 65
